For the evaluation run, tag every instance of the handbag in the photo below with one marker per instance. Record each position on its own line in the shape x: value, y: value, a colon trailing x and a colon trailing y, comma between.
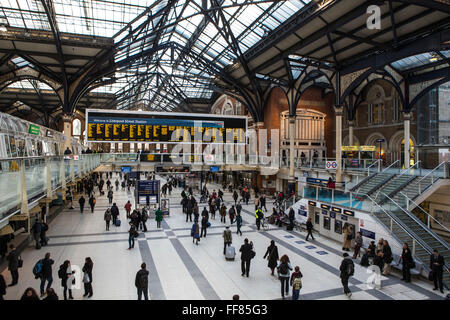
x: 20, y: 262
x: 86, y: 278
x: 431, y: 275
x: 252, y: 254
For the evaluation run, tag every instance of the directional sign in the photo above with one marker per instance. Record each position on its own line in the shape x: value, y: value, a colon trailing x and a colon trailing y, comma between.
x: 331, y: 165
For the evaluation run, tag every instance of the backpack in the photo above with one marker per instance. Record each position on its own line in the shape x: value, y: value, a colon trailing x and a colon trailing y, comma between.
x: 284, y: 268
x: 61, y: 272
x: 297, y: 283
x: 350, y: 268
x: 37, y: 270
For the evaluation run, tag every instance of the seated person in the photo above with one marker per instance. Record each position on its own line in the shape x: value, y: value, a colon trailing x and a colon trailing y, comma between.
x: 365, y: 258
x: 372, y: 248
x: 378, y: 260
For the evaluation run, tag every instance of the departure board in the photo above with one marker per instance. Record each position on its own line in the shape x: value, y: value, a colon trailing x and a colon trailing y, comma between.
x: 164, y: 127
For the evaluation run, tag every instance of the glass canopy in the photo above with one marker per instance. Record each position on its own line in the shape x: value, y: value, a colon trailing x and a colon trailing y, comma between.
x: 166, y: 78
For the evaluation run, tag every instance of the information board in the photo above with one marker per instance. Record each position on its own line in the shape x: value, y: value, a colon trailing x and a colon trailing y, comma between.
x: 148, y: 192
x: 165, y: 127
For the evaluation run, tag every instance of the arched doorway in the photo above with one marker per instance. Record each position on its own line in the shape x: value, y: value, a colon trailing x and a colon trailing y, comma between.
x: 380, y: 153
x: 397, y: 147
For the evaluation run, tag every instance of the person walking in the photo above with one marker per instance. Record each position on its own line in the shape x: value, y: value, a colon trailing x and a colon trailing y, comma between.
x: 107, y: 218
x: 232, y: 214
x: 272, y: 256
x: 65, y: 273
x: 87, y: 277
x: 259, y: 216
x: 296, y: 282
x: 235, y: 197
x: 81, y: 202
x: 196, y: 213
x: 247, y: 254
x: 195, y: 233
x: 189, y: 210
x: 256, y: 203
x: 212, y: 209
x: 46, y: 273
x: 131, y: 235
x: 407, y: 263
x: 347, y: 270
x: 238, y: 223
x: 227, y: 238
x: 128, y: 208
x: 114, y: 213
x: 291, y: 218
x: 117, y: 184
x: 437, y: 268
x: 141, y: 282
x: 37, y: 228
x: 223, y: 213
x: 347, y: 237
x: 387, y: 258
x: 309, y: 229
x: 158, y: 217
x: 13, y: 264
x: 284, y: 272
x: 238, y: 207
x: 110, y: 195
x: 262, y: 202
x: 43, y: 236
x: 204, y: 223
x: 92, y: 202
x: 358, y: 245
x: 144, y: 218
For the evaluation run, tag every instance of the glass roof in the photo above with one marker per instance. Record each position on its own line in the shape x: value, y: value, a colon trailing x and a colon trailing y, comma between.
x: 153, y: 23
x: 420, y: 60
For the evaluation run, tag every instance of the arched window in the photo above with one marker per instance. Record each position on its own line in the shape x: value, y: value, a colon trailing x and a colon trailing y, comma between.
x: 76, y: 127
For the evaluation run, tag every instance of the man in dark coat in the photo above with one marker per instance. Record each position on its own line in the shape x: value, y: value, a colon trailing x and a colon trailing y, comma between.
x: 246, y: 255
x: 347, y: 269
x: 141, y: 282
x: 437, y: 266
x: 189, y: 210
x: 81, y: 202
x: 13, y: 265
x: 291, y: 219
x: 46, y: 274
x: 114, y: 212
x: 309, y: 228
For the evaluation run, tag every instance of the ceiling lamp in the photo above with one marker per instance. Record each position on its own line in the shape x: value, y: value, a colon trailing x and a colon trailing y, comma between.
x: 3, y: 28
x: 434, y: 57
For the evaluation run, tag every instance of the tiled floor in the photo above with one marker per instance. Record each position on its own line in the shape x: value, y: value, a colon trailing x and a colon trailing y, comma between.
x: 180, y: 269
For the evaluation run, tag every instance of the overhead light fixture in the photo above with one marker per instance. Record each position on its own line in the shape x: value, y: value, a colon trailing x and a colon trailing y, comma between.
x: 3, y: 28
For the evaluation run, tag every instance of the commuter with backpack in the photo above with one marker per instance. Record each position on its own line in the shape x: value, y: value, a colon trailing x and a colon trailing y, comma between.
x: 347, y: 270
x: 284, y: 269
x: 296, y: 283
x: 43, y: 270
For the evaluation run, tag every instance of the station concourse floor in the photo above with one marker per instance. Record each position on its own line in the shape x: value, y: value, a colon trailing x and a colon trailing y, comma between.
x: 179, y: 269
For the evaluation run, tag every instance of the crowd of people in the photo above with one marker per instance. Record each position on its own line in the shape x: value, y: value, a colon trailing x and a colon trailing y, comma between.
x: 290, y: 276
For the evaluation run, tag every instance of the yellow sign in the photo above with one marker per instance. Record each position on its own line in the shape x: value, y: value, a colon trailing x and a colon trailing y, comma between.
x: 350, y: 148
x: 368, y: 148
x: 359, y: 148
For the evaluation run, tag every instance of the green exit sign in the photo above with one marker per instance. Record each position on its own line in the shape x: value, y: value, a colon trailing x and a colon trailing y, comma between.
x: 34, y: 129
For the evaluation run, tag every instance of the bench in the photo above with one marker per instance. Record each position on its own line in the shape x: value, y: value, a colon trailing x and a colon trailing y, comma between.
x: 399, y: 266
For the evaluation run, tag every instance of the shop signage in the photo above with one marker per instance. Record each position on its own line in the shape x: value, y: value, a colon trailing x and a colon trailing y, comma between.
x: 302, y: 213
x: 324, y: 206
x: 358, y: 148
x: 325, y: 212
x: 332, y: 214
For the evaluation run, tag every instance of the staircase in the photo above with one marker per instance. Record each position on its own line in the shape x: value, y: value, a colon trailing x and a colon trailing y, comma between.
x: 409, y: 226
x: 373, y: 184
x: 393, y: 186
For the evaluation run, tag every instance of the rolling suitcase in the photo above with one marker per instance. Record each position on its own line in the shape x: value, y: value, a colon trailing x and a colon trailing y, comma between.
x: 118, y: 223
x: 230, y: 253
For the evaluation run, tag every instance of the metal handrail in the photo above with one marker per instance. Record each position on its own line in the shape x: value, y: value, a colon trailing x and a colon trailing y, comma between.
x: 429, y: 215
x: 368, y: 168
x: 420, y: 223
x: 390, y: 166
x: 410, y: 168
x: 431, y: 171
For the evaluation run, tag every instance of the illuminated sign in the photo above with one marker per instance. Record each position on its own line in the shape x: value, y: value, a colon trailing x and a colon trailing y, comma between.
x: 311, y: 203
x: 324, y: 206
x: 165, y: 127
x: 349, y: 213
x: 34, y: 129
x: 338, y: 210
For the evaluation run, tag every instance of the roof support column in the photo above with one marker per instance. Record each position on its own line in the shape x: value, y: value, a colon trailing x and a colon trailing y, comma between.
x: 407, y: 135
x: 292, y: 129
x: 338, y: 112
x: 67, y: 119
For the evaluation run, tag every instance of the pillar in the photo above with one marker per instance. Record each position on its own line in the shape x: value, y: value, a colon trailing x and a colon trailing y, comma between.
x: 338, y: 112
x: 24, y: 194
x: 67, y: 119
x: 407, y: 119
x: 291, y: 148
x: 350, y: 133
x: 258, y: 126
